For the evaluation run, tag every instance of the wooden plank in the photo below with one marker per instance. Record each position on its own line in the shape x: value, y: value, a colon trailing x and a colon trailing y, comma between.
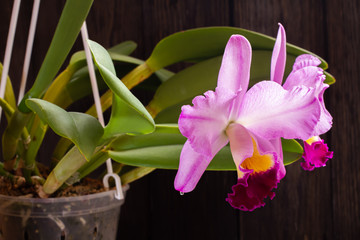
x: 302, y: 207
x: 343, y: 46
x: 203, y: 213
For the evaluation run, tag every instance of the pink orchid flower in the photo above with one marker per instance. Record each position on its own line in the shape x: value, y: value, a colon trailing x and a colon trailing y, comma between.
x: 253, y: 121
x: 305, y: 73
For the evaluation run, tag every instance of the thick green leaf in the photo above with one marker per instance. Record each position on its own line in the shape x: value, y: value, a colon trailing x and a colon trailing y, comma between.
x: 163, y: 135
x: 167, y: 157
x: 125, y: 119
x: 203, y: 43
x: 199, y: 78
x: 132, y: 175
x: 292, y: 150
x: 171, y: 114
x: 79, y: 84
x: 126, y: 107
x: 330, y: 79
x: 66, y: 33
x: 164, y: 74
x: 198, y: 45
x: 65, y: 169
x: 162, y: 148
x: 124, y: 48
x: 82, y: 129
x: 9, y: 92
x: 168, y: 134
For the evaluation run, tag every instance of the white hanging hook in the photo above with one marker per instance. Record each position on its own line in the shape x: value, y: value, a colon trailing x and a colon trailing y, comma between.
x: 84, y: 33
x: 9, y: 47
x: 119, y: 193
x: 29, y: 46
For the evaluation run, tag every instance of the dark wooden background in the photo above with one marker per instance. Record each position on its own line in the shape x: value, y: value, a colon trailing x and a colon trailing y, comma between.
x: 323, y: 204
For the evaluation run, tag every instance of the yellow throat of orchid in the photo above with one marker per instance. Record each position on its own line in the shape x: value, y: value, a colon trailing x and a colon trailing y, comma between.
x: 258, y: 163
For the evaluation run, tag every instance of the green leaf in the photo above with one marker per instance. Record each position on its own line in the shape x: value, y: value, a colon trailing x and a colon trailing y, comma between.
x: 121, y: 49
x: 162, y: 148
x: 65, y: 168
x: 163, y: 135
x: 82, y: 129
x: 124, y: 48
x: 202, y: 43
x: 125, y: 119
x: 132, y: 175
x: 126, y: 107
x: 198, y: 45
x: 167, y: 134
x: 292, y: 150
x: 200, y: 77
x: 68, y: 28
x: 9, y: 92
x: 79, y: 85
x: 164, y: 74
x: 167, y: 157
x: 330, y: 79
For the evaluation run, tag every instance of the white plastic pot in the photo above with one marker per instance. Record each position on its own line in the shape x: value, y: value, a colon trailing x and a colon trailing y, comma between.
x: 87, y: 217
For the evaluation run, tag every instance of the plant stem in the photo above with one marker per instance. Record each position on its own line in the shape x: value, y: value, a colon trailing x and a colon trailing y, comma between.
x: 5, y: 173
x: 96, y: 161
x: 136, y: 76
x: 68, y: 165
x: 9, y: 111
x: 11, y: 137
x: 135, y: 174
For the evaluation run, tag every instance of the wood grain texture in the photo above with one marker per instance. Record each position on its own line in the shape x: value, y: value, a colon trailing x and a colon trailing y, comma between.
x: 323, y: 204
x: 343, y: 55
x: 302, y: 207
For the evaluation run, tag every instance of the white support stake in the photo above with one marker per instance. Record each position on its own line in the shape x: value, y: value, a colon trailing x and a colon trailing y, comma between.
x: 29, y: 46
x: 9, y: 47
x: 84, y: 33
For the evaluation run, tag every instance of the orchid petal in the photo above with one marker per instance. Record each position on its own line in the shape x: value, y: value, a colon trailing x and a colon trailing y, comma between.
x: 241, y: 144
x: 313, y: 77
x: 305, y: 60
x: 191, y: 167
x: 234, y: 72
x: 278, y: 148
x: 309, y: 76
x: 325, y: 121
x: 278, y: 59
x: 204, y: 123
x: 271, y: 112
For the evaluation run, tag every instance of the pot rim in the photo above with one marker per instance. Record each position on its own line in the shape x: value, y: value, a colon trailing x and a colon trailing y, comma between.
x: 59, y: 199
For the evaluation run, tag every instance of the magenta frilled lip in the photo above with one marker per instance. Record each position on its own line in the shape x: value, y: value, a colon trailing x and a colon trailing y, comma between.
x: 250, y: 192
x: 315, y: 155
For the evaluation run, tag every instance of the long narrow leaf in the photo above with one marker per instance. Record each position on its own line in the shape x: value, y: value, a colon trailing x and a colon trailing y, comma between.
x: 199, y: 78
x: 162, y: 148
x: 203, y: 43
x: 67, y: 30
x: 9, y: 92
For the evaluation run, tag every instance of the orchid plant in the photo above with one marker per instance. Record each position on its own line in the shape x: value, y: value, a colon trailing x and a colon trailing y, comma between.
x: 261, y: 123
